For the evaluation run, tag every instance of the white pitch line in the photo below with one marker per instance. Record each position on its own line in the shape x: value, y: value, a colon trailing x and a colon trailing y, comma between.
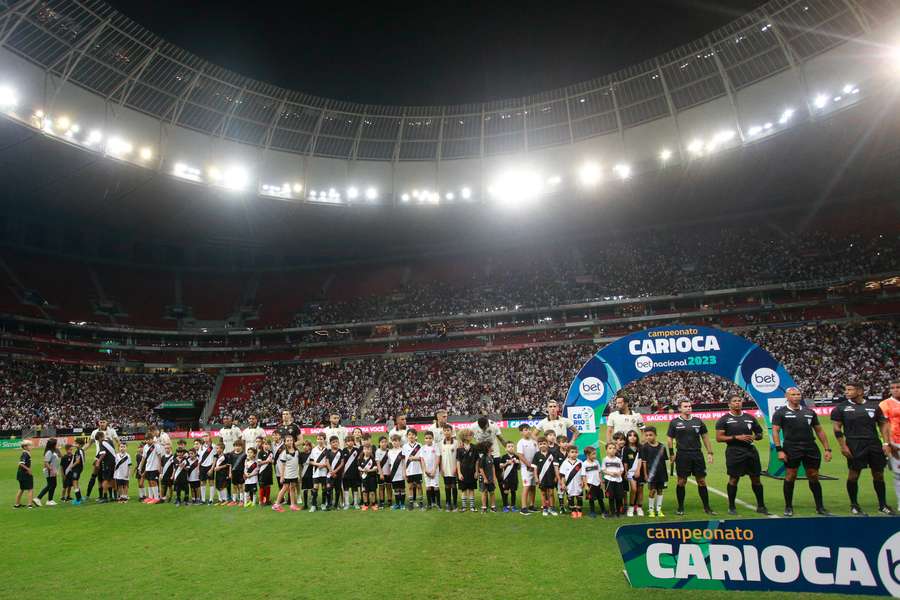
x: 736, y: 500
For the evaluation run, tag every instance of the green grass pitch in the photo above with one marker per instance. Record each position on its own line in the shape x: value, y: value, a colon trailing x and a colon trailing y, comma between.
x: 131, y: 551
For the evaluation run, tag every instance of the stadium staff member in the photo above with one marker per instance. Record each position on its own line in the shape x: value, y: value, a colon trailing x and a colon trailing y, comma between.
x: 437, y: 428
x: 739, y: 430
x: 623, y: 420
x: 890, y: 407
x: 230, y: 433
x: 687, y: 431
x: 252, y: 431
x: 109, y: 434
x: 856, y: 423
x: 400, y: 427
x: 557, y: 423
x: 798, y: 423
x: 288, y: 427
x: 335, y: 428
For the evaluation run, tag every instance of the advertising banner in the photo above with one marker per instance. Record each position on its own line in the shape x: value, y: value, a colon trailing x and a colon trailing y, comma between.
x: 797, y: 555
x: 677, y: 348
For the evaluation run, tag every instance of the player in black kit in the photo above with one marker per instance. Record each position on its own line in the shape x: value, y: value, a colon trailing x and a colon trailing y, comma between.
x: 856, y: 423
x: 688, y: 431
x: 797, y: 423
x: 739, y: 430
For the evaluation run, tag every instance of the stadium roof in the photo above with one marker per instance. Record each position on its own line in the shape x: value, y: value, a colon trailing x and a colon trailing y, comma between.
x: 88, y: 43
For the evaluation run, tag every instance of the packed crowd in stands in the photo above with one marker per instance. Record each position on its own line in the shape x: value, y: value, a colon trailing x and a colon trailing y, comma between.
x: 638, y: 265
x: 820, y: 358
x: 42, y: 394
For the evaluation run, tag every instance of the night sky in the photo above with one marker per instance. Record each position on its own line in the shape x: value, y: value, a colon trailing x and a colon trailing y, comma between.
x: 429, y: 52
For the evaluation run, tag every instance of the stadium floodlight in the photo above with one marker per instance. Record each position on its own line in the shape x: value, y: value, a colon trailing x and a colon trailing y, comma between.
x: 94, y: 137
x: 767, y: 125
x: 415, y: 194
x: 8, y: 97
x: 75, y: 128
x: 47, y: 124
x: 297, y: 187
x: 63, y: 123
x: 333, y: 193
x: 371, y: 193
x: 146, y: 153
x: 466, y: 193
x: 786, y: 116
x: 449, y: 196
x: 754, y: 130
x: 695, y: 147
x: 116, y: 146
x: 820, y: 101
x: 215, y: 174
x: 665, y: 154
x: 405, y: 197
x: 623, y: 171
x: 590, y: 174
x: 517, y: 187
x: 352, y: 193
x: 235, y: 178
x: 847, y: 89
x: 185, y: 171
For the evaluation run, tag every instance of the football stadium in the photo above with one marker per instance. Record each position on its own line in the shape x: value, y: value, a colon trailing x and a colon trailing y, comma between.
x: 259, y: 340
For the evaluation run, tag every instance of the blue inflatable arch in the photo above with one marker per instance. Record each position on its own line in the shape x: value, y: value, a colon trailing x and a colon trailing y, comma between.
x: 675, y: 348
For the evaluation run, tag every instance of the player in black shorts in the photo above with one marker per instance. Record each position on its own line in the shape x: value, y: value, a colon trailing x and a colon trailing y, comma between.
x: 795, y: 424
x: 687, y: 431
x: 739, y: 430
x: 856, y: 423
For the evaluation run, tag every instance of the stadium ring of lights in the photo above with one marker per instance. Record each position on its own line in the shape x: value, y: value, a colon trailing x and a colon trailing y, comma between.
x: 86, y: 74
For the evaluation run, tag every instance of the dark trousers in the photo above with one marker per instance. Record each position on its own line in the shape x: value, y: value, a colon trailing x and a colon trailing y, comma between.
x: 49, y: 488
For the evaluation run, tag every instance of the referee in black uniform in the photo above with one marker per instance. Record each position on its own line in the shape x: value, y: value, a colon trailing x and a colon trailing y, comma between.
x: 797, y: 423
x: 856, y: 423
x: 687, y: 431
x: 739, y: 431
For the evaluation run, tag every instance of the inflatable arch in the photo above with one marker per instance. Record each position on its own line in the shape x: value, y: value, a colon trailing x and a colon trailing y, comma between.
x: 676, y: 348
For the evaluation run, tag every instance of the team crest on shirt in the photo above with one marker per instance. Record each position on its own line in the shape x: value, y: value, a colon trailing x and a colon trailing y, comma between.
x: 809, y: 419
x: 696, y: 428
x: 871, y: 412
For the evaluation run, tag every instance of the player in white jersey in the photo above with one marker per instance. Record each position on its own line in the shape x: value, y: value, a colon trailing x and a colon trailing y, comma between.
x: 206, y: 455
x: 122, y: 472
x: 437, y: 428
x: 229, y: 434
x: 396, y: 461
x: 448, y: 468
x: 150, y: 463
x: 571, y: 472
x: 431, y: 469
x: 318, y: 460
x: 411, y: 451
x: 526, y: 448
x: 385, y: 491
x: 557, y: 423
x: 336, y: 429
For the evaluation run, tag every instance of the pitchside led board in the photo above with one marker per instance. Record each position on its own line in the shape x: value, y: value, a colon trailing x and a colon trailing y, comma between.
x: 675, y: 348
x: 844, y: 555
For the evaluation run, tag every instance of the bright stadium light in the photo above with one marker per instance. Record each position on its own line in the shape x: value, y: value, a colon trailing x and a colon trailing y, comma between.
x: 8, y: 97
x: 215, y: 174
x: 665, y: 154
x: 820, y: 101
x: 75, y: 128
x: 371, y: 193
x: 466, y: 193
x: 623, y: 171
x: 767, y: 125
x: 754, y: 130
x: 352, y: 193
x: 517, y: 187
x: 590, y: 174
x: 415, y: 194
x: 696, y: 147
x: 47, y: 124
x: 297, y: 187
x: 786, y: 116
x: 63, y: 123
x: 405, y: 197
x: 94, y: 137
x: 116, y: 146
x: 449, y: 196
x: 185, y: 171
x: 146, y: 153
